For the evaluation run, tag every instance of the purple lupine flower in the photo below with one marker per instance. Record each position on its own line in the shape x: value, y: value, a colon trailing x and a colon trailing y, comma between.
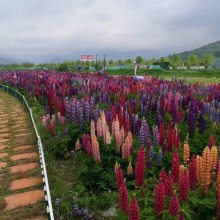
x: 142, y: 110
x: 74, y: 110
x: 138, y: 125
x: 160, y: 158
x: 147, y: 131
x: 87, y: 111
x: 217, y: 116
x: 155, y: 136
x: 202, y: 124
x: 142, y: 136
x: 150, y: 163
x: 79, y: 113
x: 212, y: 113
x: 192, y: 111
x: 96, y: 113
x: 132, y: 124
x: 203, y: 109
x: 165, y: 147
x: 151, y: 153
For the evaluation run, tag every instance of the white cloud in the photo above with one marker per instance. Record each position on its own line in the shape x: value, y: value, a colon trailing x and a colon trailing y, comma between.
x: 39, y: 28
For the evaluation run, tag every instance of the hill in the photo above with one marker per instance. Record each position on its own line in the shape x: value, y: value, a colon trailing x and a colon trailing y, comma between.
x: 5, y: 60
x: 213, y: 48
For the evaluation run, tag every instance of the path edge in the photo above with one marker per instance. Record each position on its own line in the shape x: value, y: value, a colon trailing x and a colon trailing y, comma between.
x: 46, y: 188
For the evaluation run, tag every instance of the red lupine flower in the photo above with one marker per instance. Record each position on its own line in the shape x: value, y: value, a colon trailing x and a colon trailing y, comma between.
x: 89, y: 148
x: 181, y: 216
x: 170, y: 136
x: 120, y: 116
x: 175, y: 167
x: 174, y: 206
x: 174, y: 135
x: 52, y: 129
x: 159, y: 196
x: 218, y: 176
x: 119, y: 177
x: 123, y: 197
x: 192, y: 172
x: 161, y: 134
x: 140, y: 167
x: 85, y: 140
x: 218, y: 205
x: 134, y: 210
x: 184, y: 186
x: 211, y: 141
x: 168, y: 186
x: 162, y: 175
x: 127, y: 123
x: 177, y: 141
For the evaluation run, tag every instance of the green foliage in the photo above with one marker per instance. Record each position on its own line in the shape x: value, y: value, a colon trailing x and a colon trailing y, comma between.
x: 63, y: 67
x: 175, y: 60
x: 194, y: 60
x: 207, y: 59
x: 139, y: 59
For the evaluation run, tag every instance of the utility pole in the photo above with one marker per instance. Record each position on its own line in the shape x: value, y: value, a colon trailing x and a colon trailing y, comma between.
x: 96, y: 67
x: 135, y: 69
x: 104, y: 62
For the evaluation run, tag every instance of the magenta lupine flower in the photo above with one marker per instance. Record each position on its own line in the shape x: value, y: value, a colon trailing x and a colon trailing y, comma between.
x: 123, y: 197
x: 119, y: 177
x: 184, y: 186
x: 218, y: 205
x: 134, y: 210
x: 181, y: 216
x: 159, y: 197
x: 192, y: 172
x: 174, y: 206
x: 175, y: 167
x: 140, y: 167
x: 162, y: 175
x: 168, y: 186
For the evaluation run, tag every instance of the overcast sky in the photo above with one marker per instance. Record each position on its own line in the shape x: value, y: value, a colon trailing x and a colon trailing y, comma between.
x: 34, y: 29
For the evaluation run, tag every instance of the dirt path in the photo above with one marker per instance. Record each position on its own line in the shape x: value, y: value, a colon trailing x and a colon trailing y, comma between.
x: 21, y: 188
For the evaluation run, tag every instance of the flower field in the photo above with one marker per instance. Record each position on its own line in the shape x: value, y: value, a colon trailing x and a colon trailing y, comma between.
x: 146, y: 148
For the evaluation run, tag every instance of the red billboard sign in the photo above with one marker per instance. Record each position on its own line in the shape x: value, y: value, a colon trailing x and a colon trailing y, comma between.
x: 87, y: 57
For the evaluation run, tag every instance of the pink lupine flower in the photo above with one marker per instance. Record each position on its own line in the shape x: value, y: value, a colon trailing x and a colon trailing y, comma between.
x: 117, y: 142
x: 77, y: 145
x: 122, y: 135
x: 95, y: 149
x: 92, y: 128
x: 129, y: 169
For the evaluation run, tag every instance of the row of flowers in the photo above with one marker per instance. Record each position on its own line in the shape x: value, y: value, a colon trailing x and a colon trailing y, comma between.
x: 78, y: 96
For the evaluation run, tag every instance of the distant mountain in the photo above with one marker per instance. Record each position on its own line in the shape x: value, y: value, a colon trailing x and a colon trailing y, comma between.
x: 112, y: 55
x: 213, y: 48
x: 6, y: 61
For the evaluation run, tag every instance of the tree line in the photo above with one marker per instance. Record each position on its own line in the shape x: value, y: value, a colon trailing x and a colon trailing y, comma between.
x: 174, y: 61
